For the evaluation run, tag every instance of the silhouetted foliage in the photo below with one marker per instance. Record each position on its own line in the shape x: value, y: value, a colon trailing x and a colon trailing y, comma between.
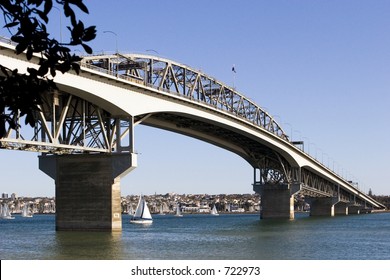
x: 27, y: 22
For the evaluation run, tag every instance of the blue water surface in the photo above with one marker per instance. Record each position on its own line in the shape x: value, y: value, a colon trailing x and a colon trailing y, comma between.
x: 200, y: 237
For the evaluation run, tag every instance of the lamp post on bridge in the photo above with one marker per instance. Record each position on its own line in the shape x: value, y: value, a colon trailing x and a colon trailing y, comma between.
x: 151, y: 50
x: 54, y: 7
x: 291, y: 130
x: 311, y: 143
x: 116, y: 39
x: 116, y: 52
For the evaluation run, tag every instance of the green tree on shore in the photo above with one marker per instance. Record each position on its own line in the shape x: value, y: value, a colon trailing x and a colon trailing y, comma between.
x: 26, y: 21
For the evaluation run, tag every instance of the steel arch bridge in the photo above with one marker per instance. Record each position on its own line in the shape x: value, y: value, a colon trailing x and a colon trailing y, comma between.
x: 96, y: 111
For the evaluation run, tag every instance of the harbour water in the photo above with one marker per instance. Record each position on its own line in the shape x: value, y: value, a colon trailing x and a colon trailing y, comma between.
x: 200, y: 237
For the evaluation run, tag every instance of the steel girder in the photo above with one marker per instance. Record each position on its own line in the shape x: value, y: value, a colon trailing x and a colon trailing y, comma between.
x: 68, y: 124
x: 169, y: 76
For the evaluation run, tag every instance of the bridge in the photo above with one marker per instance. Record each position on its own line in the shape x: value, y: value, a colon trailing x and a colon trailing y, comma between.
x: 85, y: 134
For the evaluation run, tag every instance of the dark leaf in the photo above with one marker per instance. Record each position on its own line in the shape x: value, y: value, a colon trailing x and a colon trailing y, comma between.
x: 42, y: 16
x: 33, y: 72
x: 53, y: 71
x: 11, y: 24
x: 89, y: 34
x: 76, y: 68
x: 81, y: 6
x: 42, y: 71
x: 3, y: 131
x: 30, y: 118
x: 67, y: 10
x: 4, y: 70
x: 87, y: 49
x: 29, y: 53
x: 48, y: 6
x: 21, y: 47
x: 17, y: 39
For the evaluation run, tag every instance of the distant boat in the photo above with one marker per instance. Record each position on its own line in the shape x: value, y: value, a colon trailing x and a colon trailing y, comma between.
x: 214, y: 211
x: 142, y: 213
x: 161, y: 210
x: 5, y: 213
x: 178, y: 212
x: 26, y: 213
x: 130, y: 210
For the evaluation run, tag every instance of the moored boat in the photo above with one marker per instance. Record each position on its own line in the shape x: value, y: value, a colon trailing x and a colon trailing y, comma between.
x: 5, y: 213
x: 214, y: 211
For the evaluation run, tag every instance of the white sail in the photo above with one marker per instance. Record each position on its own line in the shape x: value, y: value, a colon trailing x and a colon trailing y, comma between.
x: 161, y: 210
x: 214, y: 211
x: 142, y: 213
x: 5, y: 213
x: 146, y: 212
x: 178, y: 212
x: 139, y: 209
x: 26, y: 213
x: 130, y: 210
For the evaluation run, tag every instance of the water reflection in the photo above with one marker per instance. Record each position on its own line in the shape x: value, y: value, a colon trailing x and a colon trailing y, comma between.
x: 88, y: 245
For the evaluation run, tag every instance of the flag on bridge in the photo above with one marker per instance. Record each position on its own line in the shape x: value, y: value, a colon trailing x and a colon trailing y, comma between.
x: 234, y: 68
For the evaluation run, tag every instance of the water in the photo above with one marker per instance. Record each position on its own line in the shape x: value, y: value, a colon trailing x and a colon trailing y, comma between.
x: 199, y: 237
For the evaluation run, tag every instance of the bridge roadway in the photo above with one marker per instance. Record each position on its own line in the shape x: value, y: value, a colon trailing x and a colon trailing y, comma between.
x: 85, y: 134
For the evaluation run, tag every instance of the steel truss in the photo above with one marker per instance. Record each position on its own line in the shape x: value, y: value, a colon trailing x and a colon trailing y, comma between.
x: 171, y: 77
x: 275, y: 170
x: 278, y: 172
x: 68, y: 124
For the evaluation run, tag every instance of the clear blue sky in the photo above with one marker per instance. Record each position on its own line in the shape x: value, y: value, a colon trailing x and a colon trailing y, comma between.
x: 322, y: 68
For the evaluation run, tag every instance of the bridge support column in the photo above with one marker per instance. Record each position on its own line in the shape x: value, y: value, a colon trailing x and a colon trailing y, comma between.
x: 353, y: 209
x: 88, y: 195
x: 341, y: 209
x: 277, y: 201
x: 323, y: 206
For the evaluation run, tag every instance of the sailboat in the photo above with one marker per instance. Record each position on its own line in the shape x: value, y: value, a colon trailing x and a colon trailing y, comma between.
x: 26, y: 213
x: 142, y: 213
x: 214, y: 211
x: 5, y: 213
x: 178, y: 212
x: 130, y: 210
x: 161, y: 210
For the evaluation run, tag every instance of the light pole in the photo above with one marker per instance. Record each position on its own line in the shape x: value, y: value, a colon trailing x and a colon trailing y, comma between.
x: 151, y: 50
x: 291, y: 130
x: 308, y: 141
x: 300, y: 135
x: 60, y: 23
x: 116, y: 39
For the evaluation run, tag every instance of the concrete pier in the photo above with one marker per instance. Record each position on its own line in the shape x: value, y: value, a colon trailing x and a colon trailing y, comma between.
x: 341, y: 209
x: 88, y: 195
x: 277, y: 201
x: 327, y: 206
x: 321, y: 206
x: 354, y: 209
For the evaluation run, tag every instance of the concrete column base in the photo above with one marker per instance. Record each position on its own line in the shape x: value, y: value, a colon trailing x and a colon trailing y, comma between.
x: 277, y: 202
x: 88, y: 195
x: 341, y: 209
x: 322, y: 206
x: 354, y: 210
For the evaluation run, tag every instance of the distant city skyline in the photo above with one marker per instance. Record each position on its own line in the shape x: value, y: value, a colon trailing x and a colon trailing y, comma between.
x: 320, y: 68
